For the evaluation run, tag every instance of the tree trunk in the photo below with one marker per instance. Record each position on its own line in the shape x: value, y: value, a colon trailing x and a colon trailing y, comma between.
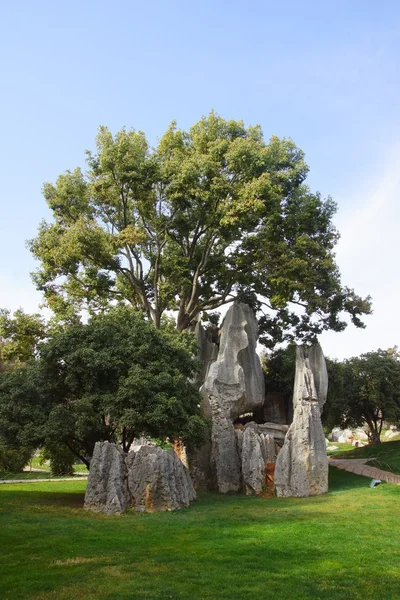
x: 374, y: 437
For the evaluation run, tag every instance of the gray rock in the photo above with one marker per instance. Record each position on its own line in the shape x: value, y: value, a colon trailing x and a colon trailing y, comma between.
x: 343, y: 436
x: 253, y: 460
x: 207, y: 338
x: 302, y: 464
x: 158, y: 481
x: 107, y: 489
x: 225, y: 462
x: 234, y: 385
x: 360, y: 434
x: 269, y: 446
x: 277, y: 431
x: 346, y: 437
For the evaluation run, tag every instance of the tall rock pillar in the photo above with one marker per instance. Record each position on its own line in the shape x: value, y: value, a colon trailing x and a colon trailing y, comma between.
x: 234, y: 385
x: 302, y: 464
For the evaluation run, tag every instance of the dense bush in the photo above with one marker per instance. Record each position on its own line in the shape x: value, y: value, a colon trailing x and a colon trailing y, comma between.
x: 14, y: 460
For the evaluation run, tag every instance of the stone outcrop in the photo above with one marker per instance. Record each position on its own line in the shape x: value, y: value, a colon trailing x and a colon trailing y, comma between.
x: 150, y: 479
x: 107, y: 489
x: 207, y: 340
x: 302, y: 464
x: 234, y: 385
x: 158, y: 481
x: 256, y: 450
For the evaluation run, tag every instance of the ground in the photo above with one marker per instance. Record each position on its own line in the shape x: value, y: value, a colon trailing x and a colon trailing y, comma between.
x: 342, y: 546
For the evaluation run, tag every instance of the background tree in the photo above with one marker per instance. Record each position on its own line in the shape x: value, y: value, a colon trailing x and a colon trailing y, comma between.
x: 210, y: 215
x: 114, y: 379
x: 19, y: 336
x: 279, y: 368
x: 367, y: 391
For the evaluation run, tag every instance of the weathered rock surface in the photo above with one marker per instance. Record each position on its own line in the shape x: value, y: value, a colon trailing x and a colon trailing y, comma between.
x: 302, y: 464
x: 107, y: 489
x: 253, y: 460
x: 207, y: 338
x: 158, y: 481
x: 360, y: 434
x: 150, y: 478
x: 234, y: 385
x: 343, y: 436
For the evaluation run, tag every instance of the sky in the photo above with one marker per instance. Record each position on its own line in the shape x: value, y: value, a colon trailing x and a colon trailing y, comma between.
x: 325, y: 74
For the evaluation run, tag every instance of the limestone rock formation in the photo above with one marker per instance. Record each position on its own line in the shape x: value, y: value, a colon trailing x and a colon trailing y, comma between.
x: 256, y: 450
x: 207, y: 339
x: 107, y: 489
x: 302, y: 465
x: 234, y: 385
x: 253, y: 460
x: 158, y: 481
x: 151, y: 479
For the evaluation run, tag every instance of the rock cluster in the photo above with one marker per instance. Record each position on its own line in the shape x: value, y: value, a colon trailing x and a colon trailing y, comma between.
x: 150, y: 480
x: 256, y: 449
x: 302, y: 464
x: 249, y: 442
x: 234, y: 385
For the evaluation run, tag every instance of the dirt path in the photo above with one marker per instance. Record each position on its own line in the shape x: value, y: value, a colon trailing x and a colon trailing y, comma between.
x: 359, y: 467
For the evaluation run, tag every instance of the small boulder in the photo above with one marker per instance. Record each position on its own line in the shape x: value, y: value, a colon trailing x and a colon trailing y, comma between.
x: 158, y: 480
x: 107, y: 489
x: 357, y: 444
x: 360, y: 434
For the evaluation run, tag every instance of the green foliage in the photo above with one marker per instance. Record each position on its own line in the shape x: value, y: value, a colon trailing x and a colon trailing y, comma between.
x: 61, y: 459
x: 19, y: 336
x: 279, y: 369
x: 212, y: 214
x: 14, y: 460
x: 367, y: 391
x: 114, y: 379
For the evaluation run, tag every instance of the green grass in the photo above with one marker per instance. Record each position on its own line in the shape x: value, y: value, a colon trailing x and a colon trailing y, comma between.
x: 4, y: 475
x: 387, y: 455
x: 36, y: 464
x: 342, y: 546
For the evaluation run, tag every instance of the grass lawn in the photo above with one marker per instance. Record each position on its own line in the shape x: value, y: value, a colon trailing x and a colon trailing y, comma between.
x: 36, y: 464
x: 343, y: 546
x: 4, y: 475
x: 386, y: 455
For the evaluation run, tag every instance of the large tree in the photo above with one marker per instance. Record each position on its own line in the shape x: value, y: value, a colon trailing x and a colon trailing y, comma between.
x: 212, y: 214
x: 366, y: 390
x: 115, y: 378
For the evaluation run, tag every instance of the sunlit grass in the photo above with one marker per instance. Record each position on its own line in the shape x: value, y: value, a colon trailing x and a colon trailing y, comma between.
x: 386, y: 456
x: 342, y: 546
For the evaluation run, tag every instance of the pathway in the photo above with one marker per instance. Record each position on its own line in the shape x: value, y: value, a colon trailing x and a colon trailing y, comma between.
x: 359, y: 467
x: 42, y: 480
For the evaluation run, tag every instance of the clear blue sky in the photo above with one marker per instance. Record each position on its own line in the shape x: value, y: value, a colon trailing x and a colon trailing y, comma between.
x: 324, y: 73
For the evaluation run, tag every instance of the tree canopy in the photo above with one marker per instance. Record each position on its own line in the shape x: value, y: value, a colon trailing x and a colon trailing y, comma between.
x: 19, y: 336
x: 362, y: 390
x: 366, y: 390
x: 115, y: 378
x: 211, y: 214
